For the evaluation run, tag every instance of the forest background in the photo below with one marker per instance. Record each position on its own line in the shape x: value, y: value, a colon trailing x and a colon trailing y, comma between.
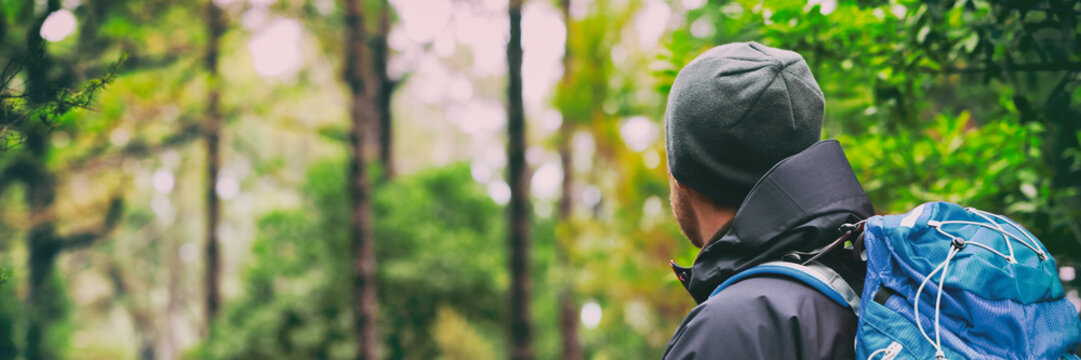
x: 459, y: 179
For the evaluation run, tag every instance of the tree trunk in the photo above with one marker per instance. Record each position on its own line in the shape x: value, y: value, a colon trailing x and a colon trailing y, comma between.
x: 568, y: 310
x: 44, y: 301
x: 40, y: 195
x: 212, y: 132
x: 357, y: 76
x: 42, y: 251
x: 385, y: 86
x: 518, y: 238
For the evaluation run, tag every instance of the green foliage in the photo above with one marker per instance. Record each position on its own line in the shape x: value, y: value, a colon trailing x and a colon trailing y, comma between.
x: 987, y: 167
x: 458, y: 339
x: 18, y: 114
x: 589, y: 44
x: 438, y: 243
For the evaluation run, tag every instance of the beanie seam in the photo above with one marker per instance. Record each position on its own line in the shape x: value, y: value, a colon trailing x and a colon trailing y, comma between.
x: 744, y: 59
x: 793, y: 61
x: 753, y: 104
x: 791, y: 107
x: 741, y: 71
x: 755, y: 48
x: 797, y: 77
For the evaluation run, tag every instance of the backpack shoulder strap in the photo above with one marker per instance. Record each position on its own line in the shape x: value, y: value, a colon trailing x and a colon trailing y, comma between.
x: 814, y: 274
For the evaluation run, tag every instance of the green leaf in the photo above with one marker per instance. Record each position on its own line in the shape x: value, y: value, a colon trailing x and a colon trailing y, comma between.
x: 1029, y: 190
x: 923, y: 34
x: 971, y: 41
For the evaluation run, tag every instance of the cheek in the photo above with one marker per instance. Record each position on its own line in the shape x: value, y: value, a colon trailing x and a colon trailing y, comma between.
x: 679, y: 206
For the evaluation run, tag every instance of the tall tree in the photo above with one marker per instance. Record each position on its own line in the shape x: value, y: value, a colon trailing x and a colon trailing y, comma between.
x: 45, y: 83
x: 359, y: 79
x: 568, y: 310
x: 215, y: 22
x: 518, y: 238
x: 385, y: 89
x: 31, y: 111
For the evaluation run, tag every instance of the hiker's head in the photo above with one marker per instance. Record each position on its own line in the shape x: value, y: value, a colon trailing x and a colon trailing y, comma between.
x: 733, y: 112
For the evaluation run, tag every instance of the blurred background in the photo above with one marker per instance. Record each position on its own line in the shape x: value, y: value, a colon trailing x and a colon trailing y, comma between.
x: 221, y: 179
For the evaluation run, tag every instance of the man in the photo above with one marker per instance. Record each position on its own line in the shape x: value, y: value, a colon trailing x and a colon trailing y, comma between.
x: 752, y: 183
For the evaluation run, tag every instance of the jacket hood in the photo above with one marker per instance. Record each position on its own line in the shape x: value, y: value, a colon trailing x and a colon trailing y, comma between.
x: 797, y: 206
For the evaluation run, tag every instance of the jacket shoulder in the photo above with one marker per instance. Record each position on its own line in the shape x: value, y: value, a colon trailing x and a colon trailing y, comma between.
x: 766, y: 318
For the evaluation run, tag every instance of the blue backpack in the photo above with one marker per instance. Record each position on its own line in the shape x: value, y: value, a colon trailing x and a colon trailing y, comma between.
x: 948, y: 282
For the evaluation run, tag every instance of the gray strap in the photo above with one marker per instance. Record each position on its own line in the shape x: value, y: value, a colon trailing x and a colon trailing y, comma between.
x: 826, y: 275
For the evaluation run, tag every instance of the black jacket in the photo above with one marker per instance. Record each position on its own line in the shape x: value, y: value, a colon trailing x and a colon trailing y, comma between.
x: 797, y: 206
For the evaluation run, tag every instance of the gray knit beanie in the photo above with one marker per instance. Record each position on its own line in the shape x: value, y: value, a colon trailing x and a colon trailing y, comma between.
x: 734, y: 112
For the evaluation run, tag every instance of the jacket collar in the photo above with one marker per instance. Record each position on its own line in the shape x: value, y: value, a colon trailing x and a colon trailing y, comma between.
x: 797, y: 205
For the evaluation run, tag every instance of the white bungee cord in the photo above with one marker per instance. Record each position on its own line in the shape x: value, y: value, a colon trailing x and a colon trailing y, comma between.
x: 956, y: 245
x: 937, y: 343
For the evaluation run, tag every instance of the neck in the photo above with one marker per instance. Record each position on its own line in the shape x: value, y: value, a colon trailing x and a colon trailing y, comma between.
x: 710, y: 220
